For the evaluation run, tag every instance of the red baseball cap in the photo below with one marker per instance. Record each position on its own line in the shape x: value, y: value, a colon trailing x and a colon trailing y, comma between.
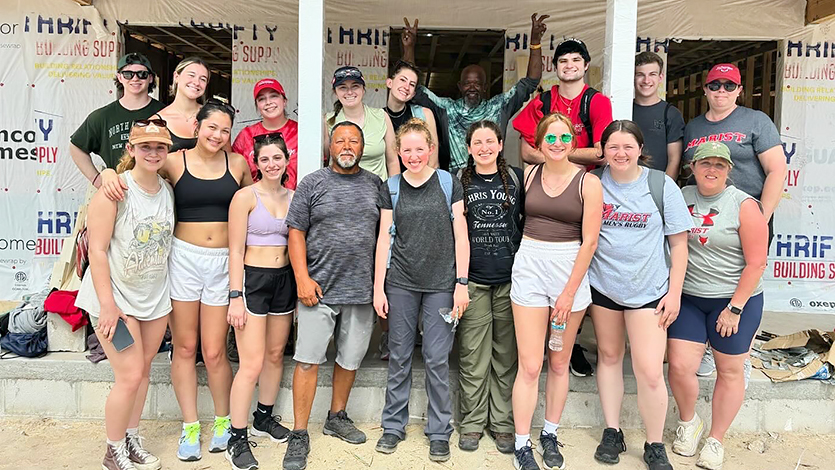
x: 726, y: 71
x: 268, y: 84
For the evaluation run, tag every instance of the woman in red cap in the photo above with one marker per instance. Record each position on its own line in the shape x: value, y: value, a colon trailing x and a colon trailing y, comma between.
x: 271, y: 101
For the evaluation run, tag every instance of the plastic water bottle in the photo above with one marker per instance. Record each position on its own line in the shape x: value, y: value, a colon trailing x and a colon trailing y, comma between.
x: 555, y: 341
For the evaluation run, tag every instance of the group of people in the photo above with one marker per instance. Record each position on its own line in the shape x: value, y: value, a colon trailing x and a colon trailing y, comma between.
x: 191, y: 231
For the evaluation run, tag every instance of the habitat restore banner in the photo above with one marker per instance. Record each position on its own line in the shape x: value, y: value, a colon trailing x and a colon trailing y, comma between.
x: 801, y: 270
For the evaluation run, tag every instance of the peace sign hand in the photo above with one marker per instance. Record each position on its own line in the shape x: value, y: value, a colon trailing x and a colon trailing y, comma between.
x: 538, y: 27
x: 409, y: 36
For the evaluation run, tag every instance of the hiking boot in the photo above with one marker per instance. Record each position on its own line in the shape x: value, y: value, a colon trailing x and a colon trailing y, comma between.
x: 439, y: 451
x: 341, y: 426
x: 505, y: 441
x: 387, y: 443
x: 117, y: 458
x: 708, y: 365
x: 469, y: 441
x: 189, y: 448
x: 384, y: 346
x: 655, y: 456
x: 523, y: 459
x: 270, y: 427
x: 232, y: 346
x: 712, y: 455
x: 549, y: 447
x: 141, y: 458
x: 298, y: 446
x: 688, y: 436
x: 611, y: 446
x: 579, y: 365
x: 240, y: 455
x: 220, y: 434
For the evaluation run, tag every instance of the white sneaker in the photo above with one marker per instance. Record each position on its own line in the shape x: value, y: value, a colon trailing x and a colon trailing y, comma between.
x: 688, y: 436
x: 746, y: 370
x: 708, y: 365
x: 712, y: 455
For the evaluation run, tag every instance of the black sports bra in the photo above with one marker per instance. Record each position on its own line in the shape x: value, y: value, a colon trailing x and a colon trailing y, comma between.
x: 180, y: 143
x: 199, y: 200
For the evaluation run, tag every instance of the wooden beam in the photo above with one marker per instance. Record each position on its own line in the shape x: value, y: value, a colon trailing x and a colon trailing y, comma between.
x: 768, y: 63
x: 225, y: 47
x: 432, y: 49
x: 748, y: 88
x: 497, y: 47
x: 464, y: 47
x: 818, y: 11
x: 186, y: 42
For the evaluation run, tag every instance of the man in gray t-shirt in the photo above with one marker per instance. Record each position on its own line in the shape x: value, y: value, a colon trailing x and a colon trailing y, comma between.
x: 333, y: 233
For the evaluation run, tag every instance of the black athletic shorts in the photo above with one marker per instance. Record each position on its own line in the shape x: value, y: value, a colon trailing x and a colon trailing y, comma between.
x: 602, y: 301
x: 269, y: 290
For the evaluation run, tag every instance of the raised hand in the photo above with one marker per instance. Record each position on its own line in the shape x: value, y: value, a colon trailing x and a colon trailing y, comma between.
x: 538, y: 27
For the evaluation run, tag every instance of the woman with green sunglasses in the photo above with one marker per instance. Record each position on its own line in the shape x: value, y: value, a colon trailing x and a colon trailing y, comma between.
x: 549, y: 284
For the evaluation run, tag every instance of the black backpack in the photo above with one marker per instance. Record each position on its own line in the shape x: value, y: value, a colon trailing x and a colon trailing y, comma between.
x: 585, y: 106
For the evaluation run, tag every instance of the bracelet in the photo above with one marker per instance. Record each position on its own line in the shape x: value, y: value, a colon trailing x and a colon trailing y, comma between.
x: 94, y: 179
x: 536, y: 46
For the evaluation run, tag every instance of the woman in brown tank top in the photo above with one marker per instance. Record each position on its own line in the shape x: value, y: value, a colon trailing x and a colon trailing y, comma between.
x: 563, y: 209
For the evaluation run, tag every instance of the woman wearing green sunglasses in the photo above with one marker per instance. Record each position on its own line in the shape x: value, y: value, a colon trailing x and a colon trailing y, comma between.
x: 549, y: 282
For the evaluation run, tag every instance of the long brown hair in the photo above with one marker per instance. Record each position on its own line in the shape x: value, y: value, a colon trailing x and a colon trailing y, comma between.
x: 501, y: 164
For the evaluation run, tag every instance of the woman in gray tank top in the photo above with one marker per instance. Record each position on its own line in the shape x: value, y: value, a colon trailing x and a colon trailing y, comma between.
x: 127, y: 283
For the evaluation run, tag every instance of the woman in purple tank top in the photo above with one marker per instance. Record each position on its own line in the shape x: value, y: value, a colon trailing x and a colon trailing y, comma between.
x: 263, y: 296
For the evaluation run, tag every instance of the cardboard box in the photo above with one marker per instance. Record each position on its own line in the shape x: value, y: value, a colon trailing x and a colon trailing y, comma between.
x: 820, y: 342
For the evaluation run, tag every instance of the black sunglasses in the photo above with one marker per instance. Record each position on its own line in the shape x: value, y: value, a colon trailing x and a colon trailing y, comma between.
x: 148, y: 122
x: 349, y: 72
x: 716, y: 85
x: 128, y: 74
x: 260, y: 139
x: 222, y: 102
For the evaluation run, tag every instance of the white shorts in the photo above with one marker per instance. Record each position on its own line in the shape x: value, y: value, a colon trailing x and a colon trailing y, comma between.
x: 199, y: 273
x: 540, y: 272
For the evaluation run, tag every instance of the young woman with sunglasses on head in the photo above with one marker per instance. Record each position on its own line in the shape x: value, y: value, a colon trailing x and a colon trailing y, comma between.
x: 633, y: 289
x: 379, y: 154
x: 205, y: 180
x: 549, y: 284
x: 127, y: 282
x: 271, y: 102
x: 259, y: 268
x: 188, y: 87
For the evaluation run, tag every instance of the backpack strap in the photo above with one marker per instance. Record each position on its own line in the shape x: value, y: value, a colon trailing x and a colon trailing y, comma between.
x: 598, y: 172
x: 656, y: 181
x: 445, y: 178
x: 666, y: 113
x: 417, y: 111
x: 585, y: 112
x: 393, y: 184
x: 545, y: 97
x: 530, y: 175
x: 515, y: 178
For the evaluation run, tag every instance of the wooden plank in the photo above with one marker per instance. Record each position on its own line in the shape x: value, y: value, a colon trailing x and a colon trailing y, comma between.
x: 748, y: 88
x: 681, y: 89
x: 819, y: 11
x: 768, y: 64
x: 463, y: 51
x: 692, y: 110
x: 703, y: 101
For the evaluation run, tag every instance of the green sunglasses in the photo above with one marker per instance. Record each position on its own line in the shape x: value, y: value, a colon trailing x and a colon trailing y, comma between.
x: 551, y: 139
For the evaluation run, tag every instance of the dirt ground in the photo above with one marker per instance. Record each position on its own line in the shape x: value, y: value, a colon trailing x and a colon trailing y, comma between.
x: 65, y: 444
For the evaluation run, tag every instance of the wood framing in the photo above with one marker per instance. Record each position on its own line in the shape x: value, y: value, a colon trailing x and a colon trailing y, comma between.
x: 818, y: 11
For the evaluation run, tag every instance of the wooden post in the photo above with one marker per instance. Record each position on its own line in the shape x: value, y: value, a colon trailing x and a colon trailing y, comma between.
x: 692, y: 110
x: 768, y: 63
x: 682, y: 92
x: 748, y: 88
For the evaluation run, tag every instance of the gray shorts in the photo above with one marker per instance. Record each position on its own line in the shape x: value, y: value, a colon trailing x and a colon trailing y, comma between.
x: 541, y: 271
x: 350, y: 325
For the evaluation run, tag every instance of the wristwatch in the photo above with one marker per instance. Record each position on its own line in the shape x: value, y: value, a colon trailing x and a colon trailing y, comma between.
x: 463, y: 281
x: 235, y: 293
x: 734, y: 310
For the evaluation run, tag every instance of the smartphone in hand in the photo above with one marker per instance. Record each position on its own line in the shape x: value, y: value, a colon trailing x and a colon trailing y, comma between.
x: 122, y: 338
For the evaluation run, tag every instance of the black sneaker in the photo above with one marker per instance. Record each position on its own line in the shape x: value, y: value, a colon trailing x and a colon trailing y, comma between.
x: 387, y: 443
x: 611, y: 446
x: 549, y: 447
x: 523, y: 459
x: 240, y: 455
x: 298, y: 446
x: 341, y: 426
x: 439, y: 451
x: 270, y: 427
x: 655, y: 456
x: 579, y: 365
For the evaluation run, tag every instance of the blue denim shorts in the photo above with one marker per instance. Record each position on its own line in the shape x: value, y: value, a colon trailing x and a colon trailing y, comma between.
x: 696, y: 322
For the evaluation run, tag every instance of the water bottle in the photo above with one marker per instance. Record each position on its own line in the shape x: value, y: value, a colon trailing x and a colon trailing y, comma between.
x: 555, y: 341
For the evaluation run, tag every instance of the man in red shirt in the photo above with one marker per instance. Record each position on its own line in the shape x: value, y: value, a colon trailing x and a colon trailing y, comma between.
x: 588, y: 109
x: 270, y: 100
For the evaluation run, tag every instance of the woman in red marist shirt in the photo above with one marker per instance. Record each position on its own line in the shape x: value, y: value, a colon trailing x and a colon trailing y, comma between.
x: 270, y: 100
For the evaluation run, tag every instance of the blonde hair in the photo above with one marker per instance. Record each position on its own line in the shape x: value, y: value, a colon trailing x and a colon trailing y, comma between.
x: 127, y: 162
x: 172, y: 90
x: 413, y: 125
x: 545, y: 123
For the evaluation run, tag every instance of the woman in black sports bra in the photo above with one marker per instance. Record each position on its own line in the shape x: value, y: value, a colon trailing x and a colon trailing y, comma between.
x: 188, y: 88
x: 205, y: 179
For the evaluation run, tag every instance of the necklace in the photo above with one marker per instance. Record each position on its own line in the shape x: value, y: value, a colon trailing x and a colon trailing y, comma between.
x: 396, y: 116
x: 489, y: 180
x: 553, y: 188
x: 568, y: 103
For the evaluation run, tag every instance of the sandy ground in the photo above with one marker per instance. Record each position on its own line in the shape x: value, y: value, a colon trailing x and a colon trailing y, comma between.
x: 64, y: 444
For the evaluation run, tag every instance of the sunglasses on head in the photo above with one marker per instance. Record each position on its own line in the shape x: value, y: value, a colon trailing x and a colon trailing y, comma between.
x: 552, y: 138
x: 221, y: 102
x: 355, y: 73
x: 716, y: 85
x: 148, y: 122
x: 259, y: 139
x: 128, y: 74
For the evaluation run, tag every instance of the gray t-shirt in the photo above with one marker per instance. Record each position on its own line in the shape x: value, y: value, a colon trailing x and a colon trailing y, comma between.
x: 423, y: 256
x: 339, y: 213
x: 716, y: 259
x: 630, y: 265
x: 747, y: 133
x: 658, y: 131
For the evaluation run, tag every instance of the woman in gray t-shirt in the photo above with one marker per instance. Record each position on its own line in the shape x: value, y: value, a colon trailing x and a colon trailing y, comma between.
x: 633, y: 289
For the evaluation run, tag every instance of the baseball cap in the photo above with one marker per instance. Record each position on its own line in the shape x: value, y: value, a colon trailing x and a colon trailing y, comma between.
x: 569, y: 45
x: 268, y: 84
x: 343, y: 74
x: 713, y: 149
x: 726, y: 71
x: 149, y: 130
x: 134, y: 58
